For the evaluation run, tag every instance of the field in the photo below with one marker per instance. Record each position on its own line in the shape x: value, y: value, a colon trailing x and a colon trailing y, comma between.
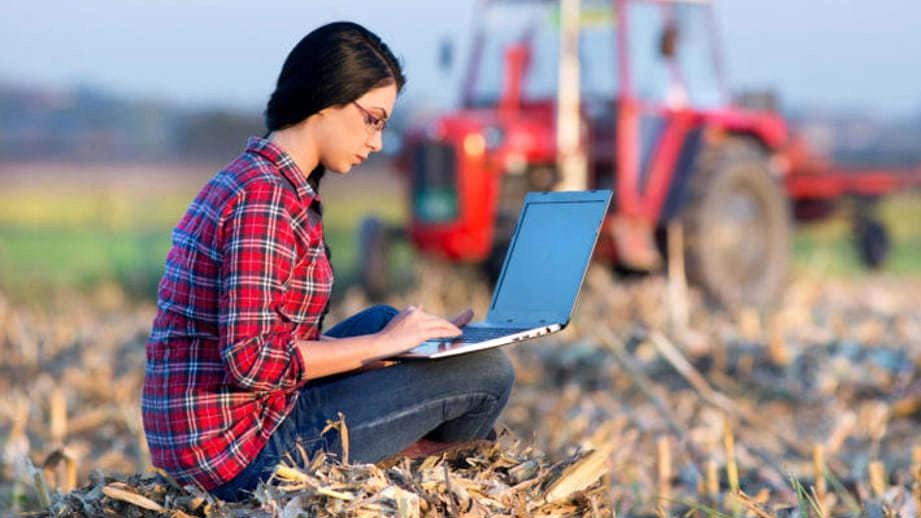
x: 811, y: 409
x: 76, y: 228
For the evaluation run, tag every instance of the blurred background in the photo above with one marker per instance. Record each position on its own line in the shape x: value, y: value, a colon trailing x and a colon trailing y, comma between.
x: 112, y: 114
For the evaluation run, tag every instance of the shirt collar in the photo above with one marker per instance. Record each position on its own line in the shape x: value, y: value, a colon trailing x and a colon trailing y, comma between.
x: 285, y: 164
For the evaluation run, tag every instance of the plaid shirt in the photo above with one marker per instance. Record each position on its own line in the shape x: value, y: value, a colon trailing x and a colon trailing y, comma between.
x: 247, y: 275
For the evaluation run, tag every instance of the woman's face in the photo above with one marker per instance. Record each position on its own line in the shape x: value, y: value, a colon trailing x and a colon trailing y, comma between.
x: 353, y: 131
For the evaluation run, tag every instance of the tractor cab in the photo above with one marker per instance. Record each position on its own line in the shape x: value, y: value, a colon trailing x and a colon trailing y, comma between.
x: 650, y: 95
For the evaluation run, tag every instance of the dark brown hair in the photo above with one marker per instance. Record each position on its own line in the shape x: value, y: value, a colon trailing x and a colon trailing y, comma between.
x: 332, y: 66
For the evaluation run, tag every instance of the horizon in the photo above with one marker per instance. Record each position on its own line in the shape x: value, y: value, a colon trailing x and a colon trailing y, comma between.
x: 832, y: 55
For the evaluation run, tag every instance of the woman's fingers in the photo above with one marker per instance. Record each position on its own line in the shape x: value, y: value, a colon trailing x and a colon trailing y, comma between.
x: 436, y: 326
x: 412, y: 326
x: 463, y: 318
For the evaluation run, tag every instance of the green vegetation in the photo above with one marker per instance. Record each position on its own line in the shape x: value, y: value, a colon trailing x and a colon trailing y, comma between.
x: 72, y: 235
x: 827, y: 248
x: 77, y: 235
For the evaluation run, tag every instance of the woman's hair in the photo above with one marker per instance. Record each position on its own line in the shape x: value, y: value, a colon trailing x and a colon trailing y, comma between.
x: 332, y: 66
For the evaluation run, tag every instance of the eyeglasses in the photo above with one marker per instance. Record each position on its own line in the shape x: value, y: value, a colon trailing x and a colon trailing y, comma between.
x: 372, y: 122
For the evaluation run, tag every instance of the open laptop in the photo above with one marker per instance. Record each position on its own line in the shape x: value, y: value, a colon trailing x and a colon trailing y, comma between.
x: 541, y: 276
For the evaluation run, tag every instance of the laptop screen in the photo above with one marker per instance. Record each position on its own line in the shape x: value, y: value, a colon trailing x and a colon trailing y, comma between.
x: 548, y: 256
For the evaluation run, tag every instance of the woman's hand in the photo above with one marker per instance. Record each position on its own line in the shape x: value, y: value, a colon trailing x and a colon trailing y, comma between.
x: 409, y: 328
x: 412, y: 326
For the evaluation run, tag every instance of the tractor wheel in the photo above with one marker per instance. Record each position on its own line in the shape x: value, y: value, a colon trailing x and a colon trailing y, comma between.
x: 374, y: 258
x: 738, y: 226
x: 872, y: 240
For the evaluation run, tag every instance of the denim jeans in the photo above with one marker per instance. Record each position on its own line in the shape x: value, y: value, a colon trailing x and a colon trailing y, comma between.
x: 386, y: 410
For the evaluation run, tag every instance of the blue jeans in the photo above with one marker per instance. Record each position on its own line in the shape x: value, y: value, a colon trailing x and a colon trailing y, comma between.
x: 386, y: 410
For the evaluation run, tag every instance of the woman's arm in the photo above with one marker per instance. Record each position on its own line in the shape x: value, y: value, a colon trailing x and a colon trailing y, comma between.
x: 258, y: 251
x: 409, y: 328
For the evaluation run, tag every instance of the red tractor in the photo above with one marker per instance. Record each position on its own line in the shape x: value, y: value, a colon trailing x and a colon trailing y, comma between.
x: 655, y: 124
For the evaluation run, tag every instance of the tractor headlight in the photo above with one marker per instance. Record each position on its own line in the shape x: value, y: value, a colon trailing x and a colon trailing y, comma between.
x: 474, y: 144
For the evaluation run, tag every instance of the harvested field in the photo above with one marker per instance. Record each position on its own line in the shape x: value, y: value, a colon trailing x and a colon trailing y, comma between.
x: 633, y: 411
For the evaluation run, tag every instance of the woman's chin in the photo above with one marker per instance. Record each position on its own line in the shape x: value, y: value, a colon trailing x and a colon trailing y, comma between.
x: 340, y: 168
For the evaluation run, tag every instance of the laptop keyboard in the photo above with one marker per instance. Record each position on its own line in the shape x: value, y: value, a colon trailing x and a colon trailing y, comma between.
x: 481, y: 334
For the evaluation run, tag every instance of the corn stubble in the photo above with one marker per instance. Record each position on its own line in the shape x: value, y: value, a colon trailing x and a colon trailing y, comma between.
x: 808, y: 410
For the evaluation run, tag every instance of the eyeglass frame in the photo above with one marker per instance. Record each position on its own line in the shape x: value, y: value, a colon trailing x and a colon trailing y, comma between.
x: 373, y: 123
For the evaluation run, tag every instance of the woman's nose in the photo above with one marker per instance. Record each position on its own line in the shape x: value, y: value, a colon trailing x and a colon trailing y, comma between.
x: 376, y: 142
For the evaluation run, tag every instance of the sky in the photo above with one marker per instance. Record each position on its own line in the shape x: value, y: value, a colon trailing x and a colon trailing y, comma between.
x: 859, y: 55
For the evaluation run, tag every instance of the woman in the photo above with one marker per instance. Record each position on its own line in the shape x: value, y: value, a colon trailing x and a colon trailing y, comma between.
x: 239, y: 375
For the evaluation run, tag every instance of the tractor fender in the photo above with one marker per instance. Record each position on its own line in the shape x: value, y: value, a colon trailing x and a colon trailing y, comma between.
x: 695, y: 153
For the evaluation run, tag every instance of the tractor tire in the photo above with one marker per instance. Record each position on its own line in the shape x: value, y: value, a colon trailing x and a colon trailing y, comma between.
x: 738, y: 227
x: 872, y: 240
x: 374, y: 258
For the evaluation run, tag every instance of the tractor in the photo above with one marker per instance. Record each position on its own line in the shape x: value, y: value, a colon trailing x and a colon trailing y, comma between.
x: 654, y: 122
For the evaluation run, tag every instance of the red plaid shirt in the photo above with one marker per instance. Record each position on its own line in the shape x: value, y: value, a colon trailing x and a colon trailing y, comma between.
x: 247, y: 275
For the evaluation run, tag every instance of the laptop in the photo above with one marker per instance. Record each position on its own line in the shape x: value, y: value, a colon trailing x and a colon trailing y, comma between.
x: 541, y: 275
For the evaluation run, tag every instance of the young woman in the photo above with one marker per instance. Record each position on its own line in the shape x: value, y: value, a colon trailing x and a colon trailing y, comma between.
x: 239, y: 375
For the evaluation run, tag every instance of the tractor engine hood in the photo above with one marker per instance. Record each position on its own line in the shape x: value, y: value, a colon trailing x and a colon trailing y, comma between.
x: 527, y: 135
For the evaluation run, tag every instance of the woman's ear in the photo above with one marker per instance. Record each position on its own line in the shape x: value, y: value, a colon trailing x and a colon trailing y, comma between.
x: 317, y: 117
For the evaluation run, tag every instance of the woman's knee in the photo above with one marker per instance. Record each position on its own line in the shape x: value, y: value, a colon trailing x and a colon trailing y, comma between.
x: 380, y: 315
x: 492, y: 371
x: 505, y: 371
x: 366, y: 321
x: 385, y: 309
